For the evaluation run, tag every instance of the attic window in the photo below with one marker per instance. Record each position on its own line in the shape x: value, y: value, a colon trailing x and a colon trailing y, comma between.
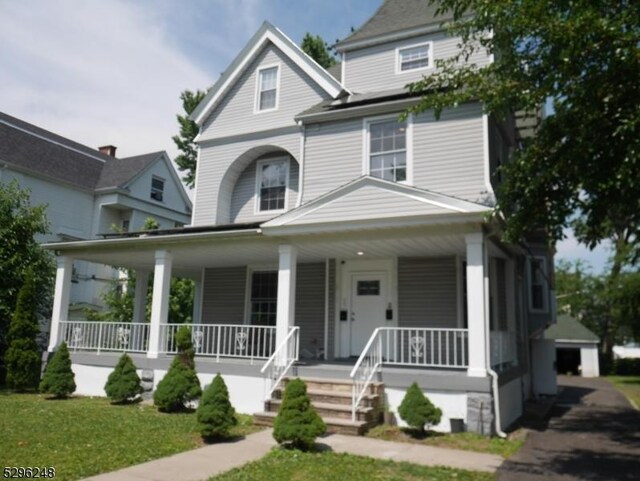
x: 415, y: 57
x: 157, y: 188
x: 267, y: 89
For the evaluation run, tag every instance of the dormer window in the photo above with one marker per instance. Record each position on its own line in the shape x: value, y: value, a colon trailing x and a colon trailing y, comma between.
x: 267, y: 88
x: 387, y: 153
x: 414, y: 57
x: 272, y: 181
x: 157, y: 188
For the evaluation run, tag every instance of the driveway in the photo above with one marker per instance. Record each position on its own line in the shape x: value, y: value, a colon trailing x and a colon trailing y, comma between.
x: 593, y: 434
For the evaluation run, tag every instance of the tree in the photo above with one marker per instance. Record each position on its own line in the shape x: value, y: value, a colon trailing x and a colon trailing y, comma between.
x: 318, y: 50
x: 215, y: 413
x: 23, y: 358
x: 417, y: 410
x: 123, y: 383
x: 58, y: 378
x: 297, y: 424
x: 188, y: 157
x: 20, y: 223
x: 582, y: 57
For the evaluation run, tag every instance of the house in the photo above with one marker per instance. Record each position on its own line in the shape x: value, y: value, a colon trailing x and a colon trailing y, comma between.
x: 576, y: 347
x: 333, y: 241
x: 88, y: 192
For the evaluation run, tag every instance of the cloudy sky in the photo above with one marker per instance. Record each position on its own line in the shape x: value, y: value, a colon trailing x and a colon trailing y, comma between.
x: 111, y: 71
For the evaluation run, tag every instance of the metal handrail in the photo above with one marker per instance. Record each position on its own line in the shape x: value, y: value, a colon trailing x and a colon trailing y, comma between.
x: 276, y: 372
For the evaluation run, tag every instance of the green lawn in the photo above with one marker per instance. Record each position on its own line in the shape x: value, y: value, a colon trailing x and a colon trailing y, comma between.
x: 466, y: 441
x: 287, y: 465
x: 629, y: 386
x: 81, y: 437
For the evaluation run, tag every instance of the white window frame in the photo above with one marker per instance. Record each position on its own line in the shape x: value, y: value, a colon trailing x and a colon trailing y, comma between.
x: 545, y: 284
x: 259, y: 165
x: 164, y: 183
x: 366, y: 161
x: 429, y: 45
x: 256, y: 106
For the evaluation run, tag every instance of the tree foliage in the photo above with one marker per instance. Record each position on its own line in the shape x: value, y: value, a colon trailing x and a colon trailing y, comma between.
x: 20, y: 223
x: 417, y: 410
x: 316, y: 48
x: 584, y: 158
x: 58, y: 378
x: 297, y: 424
x: 215, y: 413
x: 23, y: 358
x: 188, y: 157
x: 123, y: 384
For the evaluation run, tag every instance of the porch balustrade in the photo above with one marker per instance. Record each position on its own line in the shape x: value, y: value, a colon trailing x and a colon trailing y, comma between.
x: 105, y: 336
x: 223, y: 340
x: 503, y: 349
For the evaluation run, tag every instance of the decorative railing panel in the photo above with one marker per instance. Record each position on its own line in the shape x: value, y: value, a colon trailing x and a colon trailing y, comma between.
x: 105, y: 336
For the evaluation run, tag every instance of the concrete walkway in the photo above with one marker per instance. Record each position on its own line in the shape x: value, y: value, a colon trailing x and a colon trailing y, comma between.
x: 202, y: 463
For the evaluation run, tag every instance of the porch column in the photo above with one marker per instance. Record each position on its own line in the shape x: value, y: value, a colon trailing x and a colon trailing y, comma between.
x: 197, y: 302
x: 61, y: 299
x: 477, y: 304
x: 285, y: 316
x: 160, y: 301
x: 140, y: 296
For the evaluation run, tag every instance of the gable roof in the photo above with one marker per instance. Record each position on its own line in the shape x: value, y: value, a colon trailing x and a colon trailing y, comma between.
x: 570, y: 329
x: 394, y: 17
x: 373, y: 199
x: 119, y: 172
x: 266, y: 33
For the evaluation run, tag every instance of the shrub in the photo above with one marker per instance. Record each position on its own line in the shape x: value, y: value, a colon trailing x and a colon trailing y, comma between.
x: 627, y: 367
x: 417, y: 410
x: 58, y: 379
x: 215, y: 413
x: 297, y: 424
x: 23, y: 358
x: 123, y: 383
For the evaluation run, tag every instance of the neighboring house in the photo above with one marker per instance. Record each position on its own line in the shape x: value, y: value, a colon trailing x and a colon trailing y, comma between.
x: 88, y: 192
x: 331, y: 240
x: 576, y: 347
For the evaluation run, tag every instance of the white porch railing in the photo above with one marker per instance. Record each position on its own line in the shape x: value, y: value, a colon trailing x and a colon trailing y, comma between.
x: 105, y: 336
x: 285, y: 355
x: 223, y: 340
x: 420, y: 347
x: 502, y: 346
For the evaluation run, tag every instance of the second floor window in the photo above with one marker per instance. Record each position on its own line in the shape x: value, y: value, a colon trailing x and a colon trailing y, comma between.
x: 272, y: 185
x: 157, y: 188
x: 267, y: 89
x: 414, y: 58
x: 388, y: 150
x: 538, y: 284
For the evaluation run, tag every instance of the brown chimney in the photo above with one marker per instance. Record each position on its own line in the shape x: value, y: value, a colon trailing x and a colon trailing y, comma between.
x: 108, y: 150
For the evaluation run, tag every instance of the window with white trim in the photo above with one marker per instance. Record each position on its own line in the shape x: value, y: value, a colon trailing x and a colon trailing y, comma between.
x: 388, y: 150
x: 157, y: 188
x: 272, y: 185
x: 267, y: 89
x: 538, y: 286
x: 415, y: 57
x: 264, y: 298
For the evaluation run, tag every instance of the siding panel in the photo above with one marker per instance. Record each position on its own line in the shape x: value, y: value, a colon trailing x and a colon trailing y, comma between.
x: 310, y: 284
x: 223, y: 295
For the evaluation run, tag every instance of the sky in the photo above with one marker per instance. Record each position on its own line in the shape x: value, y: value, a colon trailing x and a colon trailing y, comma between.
x: 111, y: 71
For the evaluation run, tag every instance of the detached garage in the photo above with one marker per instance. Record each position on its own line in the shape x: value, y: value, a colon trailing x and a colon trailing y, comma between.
x: 576, y: 347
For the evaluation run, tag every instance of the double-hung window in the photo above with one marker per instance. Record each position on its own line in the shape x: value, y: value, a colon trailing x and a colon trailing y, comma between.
x: 272, y: 184
x: 415, y: 57
x: 538, y: 284
x: 157, y: 188
x: 388, y: 150
x: 267, y: 98
x: 264, y: 298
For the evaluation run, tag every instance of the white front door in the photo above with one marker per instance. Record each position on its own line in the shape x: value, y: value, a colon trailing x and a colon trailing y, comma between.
x: 368, y: 307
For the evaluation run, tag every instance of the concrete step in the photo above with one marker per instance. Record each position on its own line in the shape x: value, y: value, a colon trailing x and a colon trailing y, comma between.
x: 335, y: 397
x: 334, y: 425
x: 336, y: 385
x: 330, y: 410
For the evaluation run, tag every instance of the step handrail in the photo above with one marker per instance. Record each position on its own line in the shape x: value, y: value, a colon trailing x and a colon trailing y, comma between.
x: 368, y: 365
x: 277, y: 372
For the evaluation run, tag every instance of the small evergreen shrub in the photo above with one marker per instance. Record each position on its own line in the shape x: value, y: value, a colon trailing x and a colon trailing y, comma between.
x: 417, y: 410
x: 627, y: 367
x: 23, y: 358
x: 59, y: 379
x: 180, y: 385
x: 215, y: 413
x: 297, y: 424
x: 123, y: 383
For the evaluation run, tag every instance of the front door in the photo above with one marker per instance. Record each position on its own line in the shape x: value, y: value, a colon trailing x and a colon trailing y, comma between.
x: 368, y: 307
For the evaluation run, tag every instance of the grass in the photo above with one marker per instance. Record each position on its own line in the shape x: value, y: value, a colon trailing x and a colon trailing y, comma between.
x: 294, y: 465
x: 466, y: 441
x: 629, y: 386
x: 81, y: 437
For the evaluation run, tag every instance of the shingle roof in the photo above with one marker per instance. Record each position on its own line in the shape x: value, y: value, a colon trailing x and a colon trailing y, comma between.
x: 569, y: 329
x: 394, y: 16
x: 36, y: 150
